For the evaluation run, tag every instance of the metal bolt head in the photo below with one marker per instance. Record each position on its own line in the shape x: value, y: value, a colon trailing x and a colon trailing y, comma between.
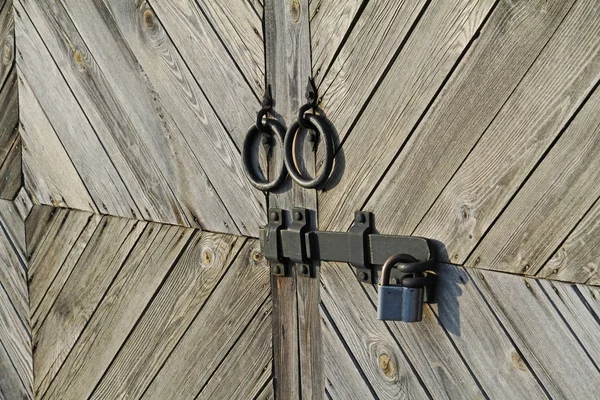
x: 304, y: 269
x: 360, y: 218
x: 298, y: 216
x: 274, y: 216
x: 362, y: 276
x: 277, y: 269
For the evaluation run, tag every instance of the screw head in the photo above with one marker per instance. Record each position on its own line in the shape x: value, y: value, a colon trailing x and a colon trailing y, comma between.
x: 298, y: 216
x: 277, y: 269
x: 304, y: 269
x: 274, y: 216
x: 360, y: 218
x: 362, y: 276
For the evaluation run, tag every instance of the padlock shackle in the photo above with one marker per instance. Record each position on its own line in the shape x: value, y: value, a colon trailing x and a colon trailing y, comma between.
x: 408, y: 267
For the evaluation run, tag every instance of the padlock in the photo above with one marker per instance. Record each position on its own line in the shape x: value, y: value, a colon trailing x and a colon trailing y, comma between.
x: 397, y: 302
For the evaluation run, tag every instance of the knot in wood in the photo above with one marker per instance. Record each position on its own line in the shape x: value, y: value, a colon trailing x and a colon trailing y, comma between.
x: 148, y: 19
x: 295, y: 10
x: 386, y: 365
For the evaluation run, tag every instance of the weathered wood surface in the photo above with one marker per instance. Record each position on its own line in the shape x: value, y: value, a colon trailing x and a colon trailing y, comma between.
x: 296, y: 321
x: 13, y: 222
x: 10, y: 113
x: 431, y: 51
x: 11, y: 172
x: 7, y: 40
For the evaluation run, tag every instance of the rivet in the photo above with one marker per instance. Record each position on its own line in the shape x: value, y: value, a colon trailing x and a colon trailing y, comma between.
x: 277, y: 269
x: 304, y: 269
x: 360, y: 218
x: 362, y: 276
x: 274, y: 216
x: 257, y: 256
x: 298, y: 216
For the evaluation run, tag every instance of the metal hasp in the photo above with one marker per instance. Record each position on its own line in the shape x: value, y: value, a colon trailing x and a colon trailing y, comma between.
x: 407, y: 281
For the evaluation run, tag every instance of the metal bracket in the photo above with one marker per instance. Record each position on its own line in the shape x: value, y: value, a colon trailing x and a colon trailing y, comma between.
x: 297, y: 243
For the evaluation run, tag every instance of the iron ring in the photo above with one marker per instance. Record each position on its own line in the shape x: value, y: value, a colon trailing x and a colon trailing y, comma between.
x: 323, y: 127
x: 251, y: 168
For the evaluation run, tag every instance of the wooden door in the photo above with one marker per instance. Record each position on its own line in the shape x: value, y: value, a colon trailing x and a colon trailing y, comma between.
x: 473, y: 123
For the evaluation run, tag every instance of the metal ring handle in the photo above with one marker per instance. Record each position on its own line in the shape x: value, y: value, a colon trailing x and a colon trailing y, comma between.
x: 251, y: 169
x: 323, y: 127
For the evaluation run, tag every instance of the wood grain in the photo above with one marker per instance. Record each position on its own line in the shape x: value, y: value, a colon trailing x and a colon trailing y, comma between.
x: 85, y: 287
x: 240, y: 29
x: 10, y: 114
x: 556, y: 196
x: 48, y: 173
x: 11, y: 386
x: 7, y: 41
x: 141, y: 275
x: 208, y: 340
x: 11, y: 172
x: 211, y: 65
x: 442, y: 34
x: 38, y: 220
x: 248, y: 367
x: 73, y: 129
x: 13, y: 276
x: 546, y: 342
x: 160, y: 329
x: 553, y: 89
x: 375, y: 350
x: 14, y: 225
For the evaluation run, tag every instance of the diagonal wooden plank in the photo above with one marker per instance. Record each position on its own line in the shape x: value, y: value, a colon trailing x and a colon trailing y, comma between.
x: 58, y: 244
x: 36, y: 225
x: 493, y: 357
x: 209, y: 338
x: 13, y: 277
x: 239, y: 27
x: 10, y: 114
x: 541, y: 334
x: 7, y: 41
x: 211, y: 65
x: 14, y: 225
x: 248, y: 366
x: 343, y: 378
x: 551, y: 202
x: 533, y: 117
x: 577, y: 314
x: 429, y: 55
x: 48, y: 173
x: 50, y: 289
x: 11, y: 386
x: 11, y: 172
x: 197, y: 121
x: 75, y: 133
x: 330, y: 23
x: 123, y: 304
x: 82, y: 292
x: 375, y: 350
x: 577, y: 258
x: 182, y: 295
x: 111, y: 120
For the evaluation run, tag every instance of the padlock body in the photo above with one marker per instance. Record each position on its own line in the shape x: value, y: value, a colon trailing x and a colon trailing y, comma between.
x: 399, y: 303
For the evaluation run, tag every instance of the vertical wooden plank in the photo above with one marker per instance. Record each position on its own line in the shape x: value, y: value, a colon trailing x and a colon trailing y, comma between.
x: 296, y: 321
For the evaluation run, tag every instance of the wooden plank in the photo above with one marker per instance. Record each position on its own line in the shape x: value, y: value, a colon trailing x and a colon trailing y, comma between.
x: 268, y: 392
x: 211, y: 65
x: 429, y: 55
x: 13, y: 277
x: 15, y: 338
x: 7, y: 41
x: 343, y: 379
x: 577, y: 258
x: 11, y: 172
x: 85, y: 287
x: 73, y: 129
x: 10, y: 114
x: 23, y: 204
x: 494, y: 358
x: 551, y: 202
x: 36, y: 224
x: 296, y: 322
x: 215, y: 329
x: 11, y: 386
x: 375, y: 350
x: 182, y: 295
x: 371, y: 45
x: 553, y: 89
x: 537, y: 328
x: 240, y: 29
x: 48, y: 173
x: 14, y: 224
x: 249, y: 365
x: 58, y: 243
x: 139, y: 278
x: 330, y: 23
x: 44, y: 294
x: 577, y: 313
x: 200, y: 126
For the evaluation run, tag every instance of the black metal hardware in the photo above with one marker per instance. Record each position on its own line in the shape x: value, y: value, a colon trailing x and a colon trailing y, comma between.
x: 271, y: 133
x: 299, y: 244
x: 314, y: 122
